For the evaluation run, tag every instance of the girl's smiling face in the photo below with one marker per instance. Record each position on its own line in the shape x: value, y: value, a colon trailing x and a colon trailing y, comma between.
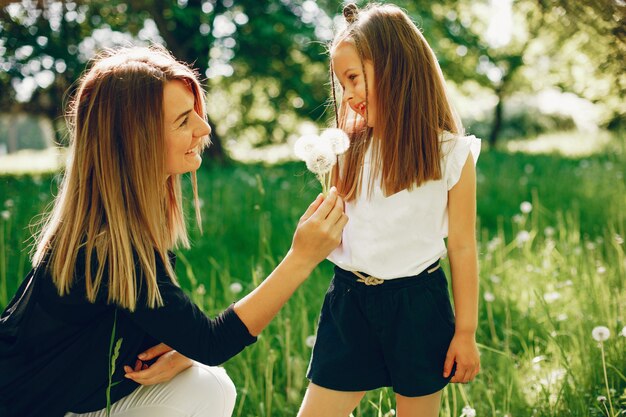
x: 185, y: 130
x: 349, y: 71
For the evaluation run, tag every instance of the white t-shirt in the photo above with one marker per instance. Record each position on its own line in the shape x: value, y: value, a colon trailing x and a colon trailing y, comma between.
x: 401, y: 235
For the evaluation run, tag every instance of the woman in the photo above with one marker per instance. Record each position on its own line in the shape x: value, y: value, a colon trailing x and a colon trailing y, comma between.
x: 103, y: 269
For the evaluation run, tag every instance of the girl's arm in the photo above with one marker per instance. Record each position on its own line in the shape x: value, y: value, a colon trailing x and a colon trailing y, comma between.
x: 464, y: 268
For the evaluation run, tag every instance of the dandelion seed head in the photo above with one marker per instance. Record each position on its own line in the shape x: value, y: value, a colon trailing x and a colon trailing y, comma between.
x: 338, y: 139
x: 495, y: 279
x: 518, y: 218
x: 623, y: 332
x: 310, y: 341
x: 522, y: 237
x: 618, y: 239
x: 200, y: 290
x: 601, y: 398
x: 9, y: 203
x: 551, y: 296
x: 236, y: 288
x: 601, y: 270
x: 561, y: 317
x: 6, y: 214
x: 321, y: 160
x: 489, y: 297
x: 468, y: 412
x: 549, y: 231
x: 600, y: 333
x: 305, y: 145
x: 526, y: 207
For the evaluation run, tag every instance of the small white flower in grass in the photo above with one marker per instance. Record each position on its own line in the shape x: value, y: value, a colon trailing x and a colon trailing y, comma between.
x: 600, y: 333
x: 304, y: 146
x: 551, y: 296
x: 623, y: 332
x: 526, y: 207
x: 201, y: 290
x: 321, y: 160
x: 338, y: 139
x: 310, y: 341
x: 518, y: 218
x: 489, y: 297
x: 495, y: 279
x: 236, y: 288
x: 601, y: 398
x: 468, y: 412
x: 522, y: 237
x: 549, y: 231
x: 6, y: 214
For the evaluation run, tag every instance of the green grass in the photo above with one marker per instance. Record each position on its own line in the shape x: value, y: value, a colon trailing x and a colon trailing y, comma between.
x: 553, y: 274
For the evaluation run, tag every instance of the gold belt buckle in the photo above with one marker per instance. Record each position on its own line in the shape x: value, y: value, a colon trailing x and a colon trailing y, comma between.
x: 368, y: 280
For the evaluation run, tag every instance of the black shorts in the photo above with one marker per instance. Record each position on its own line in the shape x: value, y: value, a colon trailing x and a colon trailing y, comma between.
x: 395, y: 334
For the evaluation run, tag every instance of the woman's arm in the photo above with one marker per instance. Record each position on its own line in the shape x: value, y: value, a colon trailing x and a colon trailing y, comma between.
x: 179, y: 323
x: 318, y: 233
x: 464, y: 269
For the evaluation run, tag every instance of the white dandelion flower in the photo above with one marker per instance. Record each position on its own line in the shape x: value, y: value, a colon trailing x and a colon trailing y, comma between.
x: 236, y: 288
x: 338, y: 139
x: 201, y: 290
x: 522, y: 237
x: 304, y: 146
x: 321, y: 160
x: 600, y: 333
x: 310, y: 341
x: 468, y: 412
x: 489, y: 297
x: 601, y: 398
x: 526, y: 207
x: 495, y: 279
x: 551, y: 296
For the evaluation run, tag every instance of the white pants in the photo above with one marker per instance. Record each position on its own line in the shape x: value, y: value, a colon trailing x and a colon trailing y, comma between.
x: 200, y: 391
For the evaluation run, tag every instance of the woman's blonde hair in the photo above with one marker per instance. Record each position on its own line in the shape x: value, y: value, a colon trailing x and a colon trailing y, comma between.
x: 117, y: 202
x: 412, y: 107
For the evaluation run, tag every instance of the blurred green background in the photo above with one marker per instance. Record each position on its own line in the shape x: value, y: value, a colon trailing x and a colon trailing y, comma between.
x: 540, y: 81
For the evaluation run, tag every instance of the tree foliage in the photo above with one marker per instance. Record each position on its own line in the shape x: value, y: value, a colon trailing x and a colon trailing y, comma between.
x: 265, y: 61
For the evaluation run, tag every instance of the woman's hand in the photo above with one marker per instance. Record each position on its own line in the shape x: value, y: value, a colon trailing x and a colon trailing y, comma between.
x: 464, y: 352
x: 320, y: 228
x: 169, y: 364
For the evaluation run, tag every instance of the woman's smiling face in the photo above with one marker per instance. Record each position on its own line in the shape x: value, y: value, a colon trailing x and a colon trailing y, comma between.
x: 185, y: 130
x: 349, y: 71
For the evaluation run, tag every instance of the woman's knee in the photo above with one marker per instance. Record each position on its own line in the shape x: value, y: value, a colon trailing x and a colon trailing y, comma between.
x: 215, y: 388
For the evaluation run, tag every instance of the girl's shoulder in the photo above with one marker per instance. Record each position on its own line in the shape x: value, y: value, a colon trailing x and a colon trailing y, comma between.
x: 455, y: 148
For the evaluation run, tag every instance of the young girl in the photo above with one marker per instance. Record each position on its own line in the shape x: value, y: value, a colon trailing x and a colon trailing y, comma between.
x: 103, y: 259
x: 408, y: 180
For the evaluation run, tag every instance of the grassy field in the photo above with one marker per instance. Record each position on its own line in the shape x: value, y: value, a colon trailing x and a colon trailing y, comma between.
x: 552, y: 266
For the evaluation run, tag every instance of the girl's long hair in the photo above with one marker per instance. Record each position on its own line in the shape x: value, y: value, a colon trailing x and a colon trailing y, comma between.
x: 116, y: 201
x: 412, y: 107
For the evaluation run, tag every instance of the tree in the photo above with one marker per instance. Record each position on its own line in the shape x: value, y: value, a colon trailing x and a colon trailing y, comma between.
x: 254, y: 38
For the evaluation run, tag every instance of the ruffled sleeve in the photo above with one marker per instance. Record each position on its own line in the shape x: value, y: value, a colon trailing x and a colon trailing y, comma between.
x: 456, y: 149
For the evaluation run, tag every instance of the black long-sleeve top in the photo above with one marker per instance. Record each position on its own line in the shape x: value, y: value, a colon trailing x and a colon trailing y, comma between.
x: 54, y: 351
